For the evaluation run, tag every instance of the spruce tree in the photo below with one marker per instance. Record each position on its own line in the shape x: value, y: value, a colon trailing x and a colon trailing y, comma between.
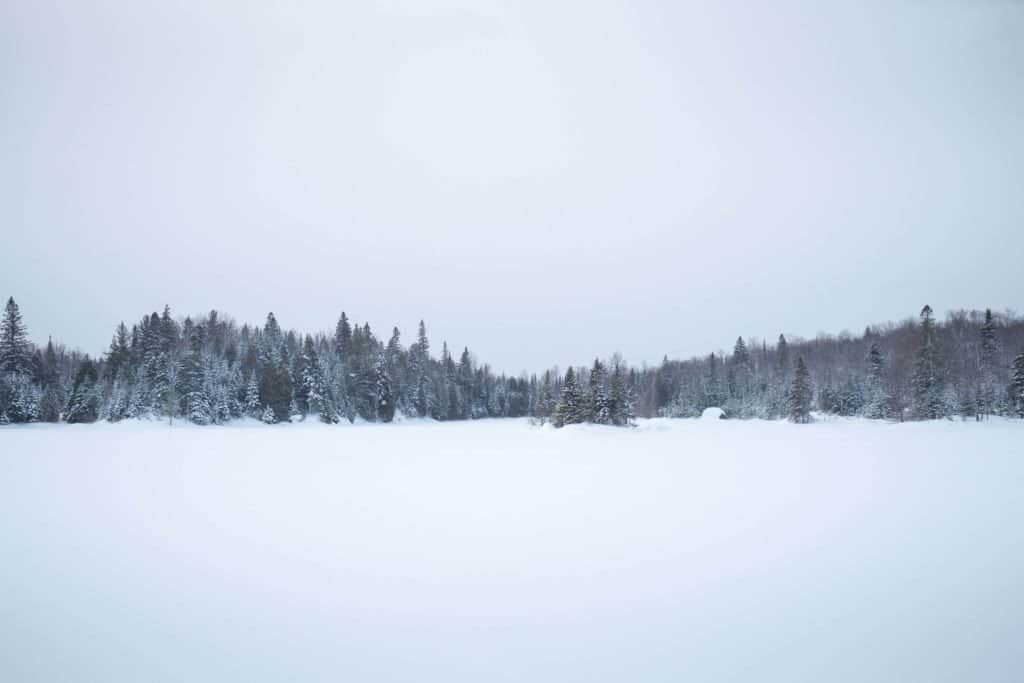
x: 198, y: 408
x: 342, y: 337
x: 876, y: 406
x: 621, y: 405
x: 967, y: 402
x: 443, y: 392
x: 366, y: 351
x: 154, y: 364
x: 778, y: 405
x: 252, y: 405
x: 926, y: 382
x: 15, y: 350
x: 169, y: 331
x: 571, y: 408
x: 423, y: 399
x: 782, y: 358
x: 395, y: 362
x: 545, y: 405
x: 800, y: 394
x: 599, y: 404
x: 314, y: 388
x: 464, y: 379
x: 1017, y: 384
x: 164, y: 386
x: 275, y: 374
x: 741, y: 361
x: 385, y: 402
x: 119, y: 354
x: 740, y: 373
x: 192, y: 382
x: 299, y: 372
x: 276, y: 390
x: 52, y: 402
x: 21, y: 370
x: 714, y: 396
x: 989, y: 351
x: 83, y: 405
x: 22, y: 399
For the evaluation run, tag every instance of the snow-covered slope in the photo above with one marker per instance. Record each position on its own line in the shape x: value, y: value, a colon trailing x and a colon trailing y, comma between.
x: 492, y: 551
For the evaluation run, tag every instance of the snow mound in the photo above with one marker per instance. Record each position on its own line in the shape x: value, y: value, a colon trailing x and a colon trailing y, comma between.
x: 713, y: 413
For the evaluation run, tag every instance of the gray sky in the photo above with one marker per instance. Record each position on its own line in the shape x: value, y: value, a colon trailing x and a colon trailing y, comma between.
x: 542, y: 181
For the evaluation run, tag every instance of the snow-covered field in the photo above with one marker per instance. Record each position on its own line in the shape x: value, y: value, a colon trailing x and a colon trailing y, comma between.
x: 497, y: 551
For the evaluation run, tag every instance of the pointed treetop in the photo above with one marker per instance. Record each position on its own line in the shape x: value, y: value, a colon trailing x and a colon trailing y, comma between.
x: 15, y: 350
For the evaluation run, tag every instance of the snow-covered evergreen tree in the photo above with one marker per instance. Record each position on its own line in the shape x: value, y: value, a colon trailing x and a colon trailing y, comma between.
x: 545, y: 404
x: 927, y: 379
x: 877, y: 399
x: 51, y: 403
x: 1016, y: 389
x: 599, y: 403
x: 464, y: 379
x: 780, y: 380
x: 197, y: 408
x: 571, y: 408
x: 713, y: 392
x: 275, y: 374
x: 19, y: 395
x: 84, y: 403
x: 800, y: 394
x: 385, y: 401
x: 24, y: 397
x: 782, y: 368
x: 191, y: 381
x: 314, y: 388
x: 988, y: 403
x: 423, y: 398
x: 620, y: 399
x: 253, y: 407
x: 15, y: 349
x: 343, y: 337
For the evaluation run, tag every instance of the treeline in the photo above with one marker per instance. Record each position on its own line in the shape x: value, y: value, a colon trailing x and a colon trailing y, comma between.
x: 209, y: 370
x: 970, y: 365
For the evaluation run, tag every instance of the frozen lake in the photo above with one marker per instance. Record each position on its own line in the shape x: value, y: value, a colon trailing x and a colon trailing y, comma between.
x: 497, y: 551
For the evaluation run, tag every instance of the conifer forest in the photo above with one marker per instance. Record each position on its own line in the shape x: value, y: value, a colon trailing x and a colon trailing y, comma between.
x: 209, y: 369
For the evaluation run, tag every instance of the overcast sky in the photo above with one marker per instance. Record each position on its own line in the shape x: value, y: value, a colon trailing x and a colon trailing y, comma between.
x: 543, y: 181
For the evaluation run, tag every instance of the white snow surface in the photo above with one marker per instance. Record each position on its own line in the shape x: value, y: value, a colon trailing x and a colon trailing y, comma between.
x: 712, y: 413
x: 683, y: 550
